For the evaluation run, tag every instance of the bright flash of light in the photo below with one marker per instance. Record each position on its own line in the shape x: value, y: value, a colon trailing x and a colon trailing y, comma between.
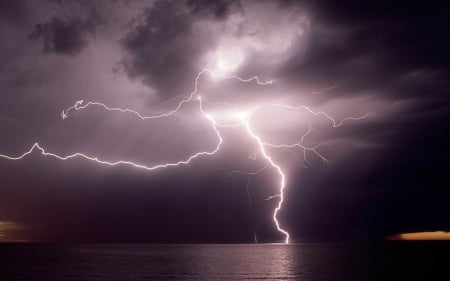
x: 226, y: 59
x: 241, y: 118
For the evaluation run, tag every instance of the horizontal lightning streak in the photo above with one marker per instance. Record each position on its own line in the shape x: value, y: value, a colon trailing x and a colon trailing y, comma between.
x: 252, y: 173
x: 299, y: 144
x: 128, y: 163
x: 272, y: 197
x: 324, y: 90
x: 315, y: 113
x: 79, y: 104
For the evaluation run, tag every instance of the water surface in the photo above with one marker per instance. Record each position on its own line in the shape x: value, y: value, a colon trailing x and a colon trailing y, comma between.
x: 309, y: 262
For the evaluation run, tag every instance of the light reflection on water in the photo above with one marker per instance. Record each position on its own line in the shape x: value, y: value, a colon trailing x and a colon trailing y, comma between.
x: 309, y: 262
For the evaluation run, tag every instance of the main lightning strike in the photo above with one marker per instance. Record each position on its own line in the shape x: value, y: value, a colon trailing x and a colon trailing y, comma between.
x: 243, y: 120
x: 266, y: 156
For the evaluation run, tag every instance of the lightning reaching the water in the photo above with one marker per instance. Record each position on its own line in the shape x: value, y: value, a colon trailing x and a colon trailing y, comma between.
x: 240, y: 119
x: 282, y: 185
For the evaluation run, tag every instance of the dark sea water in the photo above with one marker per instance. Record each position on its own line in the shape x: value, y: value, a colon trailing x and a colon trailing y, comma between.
x: 381, y: 261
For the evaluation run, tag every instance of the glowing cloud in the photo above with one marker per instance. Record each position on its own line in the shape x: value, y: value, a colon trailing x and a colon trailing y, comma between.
x: 225, y: 59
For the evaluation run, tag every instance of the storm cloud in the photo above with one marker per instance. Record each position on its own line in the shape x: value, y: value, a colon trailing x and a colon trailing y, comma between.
x: 63, y: 36
x: 387, y: 173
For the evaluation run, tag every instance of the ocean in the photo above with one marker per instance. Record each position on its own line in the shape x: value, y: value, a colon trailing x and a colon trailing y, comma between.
x: 309, y: 262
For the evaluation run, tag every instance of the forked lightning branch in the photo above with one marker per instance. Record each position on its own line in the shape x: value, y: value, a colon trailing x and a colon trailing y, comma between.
x: 241, y: 119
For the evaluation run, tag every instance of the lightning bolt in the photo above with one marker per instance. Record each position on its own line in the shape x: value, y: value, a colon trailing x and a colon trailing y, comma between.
x: 324, y: 90
x: 36, y: 146
x: 241, y: 119
x: 269, y: 160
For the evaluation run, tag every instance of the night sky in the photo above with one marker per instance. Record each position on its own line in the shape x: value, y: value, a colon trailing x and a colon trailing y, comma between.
x: 387, y: 173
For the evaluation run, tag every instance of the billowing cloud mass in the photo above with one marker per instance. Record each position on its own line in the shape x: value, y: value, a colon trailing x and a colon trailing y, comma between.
x: 62, y: 36
x: 218, y: 9
x: 386, y: 174
x: 172, y: 39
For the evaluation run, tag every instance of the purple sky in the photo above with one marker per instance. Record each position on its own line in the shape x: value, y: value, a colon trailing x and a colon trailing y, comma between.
x: 386, y: 174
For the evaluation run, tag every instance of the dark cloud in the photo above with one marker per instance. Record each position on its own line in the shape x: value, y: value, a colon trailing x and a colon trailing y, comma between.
x: 372, y: 46
x: 218, y: 9
x: 67, y: 36
x: 164, y: 47
x: 14, y: 12
x: 173, y: 38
